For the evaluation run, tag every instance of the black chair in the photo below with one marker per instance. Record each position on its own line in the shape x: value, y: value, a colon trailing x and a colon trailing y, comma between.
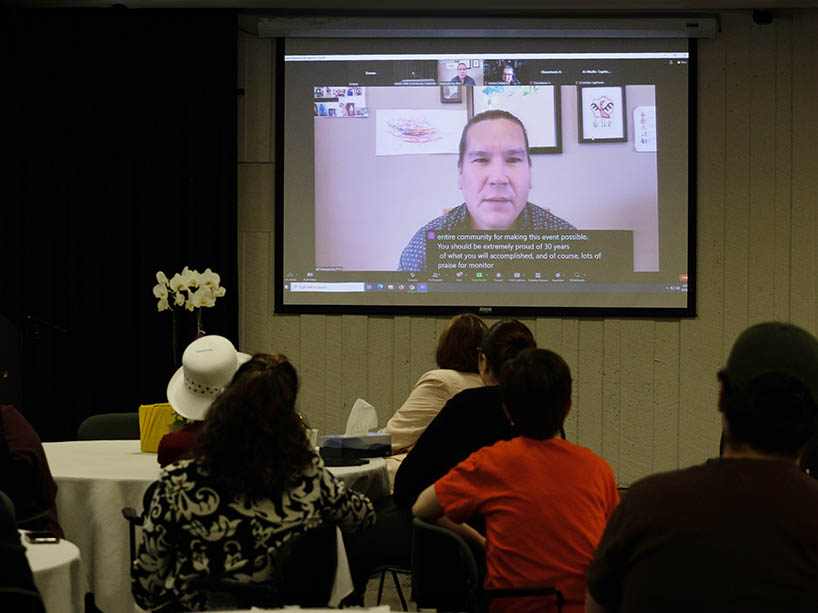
x: 303, y: 569
x: 137, y: 519
x: 18, y: 592
x: 445, y: 575
x: 303, y: 574
x: 110, y: 426
x: 394, y: 571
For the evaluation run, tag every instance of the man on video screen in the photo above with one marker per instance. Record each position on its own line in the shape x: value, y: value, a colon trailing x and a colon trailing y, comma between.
x: 494, y: 169
x: 461, y: 78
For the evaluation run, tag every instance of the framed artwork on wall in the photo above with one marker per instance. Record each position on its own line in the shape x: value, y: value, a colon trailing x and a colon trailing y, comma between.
x: 451, y: 93
x: 602, y: 117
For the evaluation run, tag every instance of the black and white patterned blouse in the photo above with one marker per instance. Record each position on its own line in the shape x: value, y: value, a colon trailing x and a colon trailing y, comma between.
x: 191, y: 530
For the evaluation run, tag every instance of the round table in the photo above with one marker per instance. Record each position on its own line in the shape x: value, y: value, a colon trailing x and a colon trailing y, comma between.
x: 96, y: 479
x: 57, y: 574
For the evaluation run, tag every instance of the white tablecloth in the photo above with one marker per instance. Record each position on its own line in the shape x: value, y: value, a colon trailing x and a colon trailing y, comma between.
x: 57, y: 574
x: 96, y: 479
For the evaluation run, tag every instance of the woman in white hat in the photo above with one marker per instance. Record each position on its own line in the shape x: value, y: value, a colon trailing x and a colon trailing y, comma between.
x: 252, y: 484
x: 208, y: 364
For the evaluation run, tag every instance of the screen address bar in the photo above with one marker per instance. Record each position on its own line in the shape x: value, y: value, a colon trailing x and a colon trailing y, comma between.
x: 312, y: 286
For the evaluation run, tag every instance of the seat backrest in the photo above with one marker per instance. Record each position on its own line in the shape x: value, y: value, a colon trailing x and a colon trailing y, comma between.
x: 110, y: 426
x: 303, y: 575
x: 444, y: 570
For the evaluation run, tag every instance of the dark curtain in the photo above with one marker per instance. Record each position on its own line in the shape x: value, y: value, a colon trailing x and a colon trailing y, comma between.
x: 119, y: 128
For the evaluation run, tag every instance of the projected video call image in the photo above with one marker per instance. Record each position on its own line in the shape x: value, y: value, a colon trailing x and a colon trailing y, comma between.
x: 532, y: 174
x: 388, y: 183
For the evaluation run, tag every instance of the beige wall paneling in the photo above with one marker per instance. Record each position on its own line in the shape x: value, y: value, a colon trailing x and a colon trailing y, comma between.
x: 255, y: 293
x: 761, y: 262
x: 256, y: 197
x: 402, y: 376
x: 588, y: 385
x: 312, y: 368
x: 333, y: 376
x: 738, y: 100
x: 804, y: 171
x: 569, y: 350
x: 380, y: 366
x: 700, y: 342
x: 666, y: 395
x: 354, y: 364
x: 611, y: 394
x: 255, y: 108
x: 783, y: 169
x: 636, y: 406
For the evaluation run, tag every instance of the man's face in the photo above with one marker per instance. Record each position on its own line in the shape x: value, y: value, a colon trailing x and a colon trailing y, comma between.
x: 461, y: 71
x: 495, y: 176
x: 508, y: 74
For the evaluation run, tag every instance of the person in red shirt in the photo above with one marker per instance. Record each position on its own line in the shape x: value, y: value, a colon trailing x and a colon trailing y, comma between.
x: 545, y: 500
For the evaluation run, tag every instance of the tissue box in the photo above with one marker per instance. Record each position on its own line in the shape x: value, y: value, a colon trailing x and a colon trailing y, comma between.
x: 372, y: 445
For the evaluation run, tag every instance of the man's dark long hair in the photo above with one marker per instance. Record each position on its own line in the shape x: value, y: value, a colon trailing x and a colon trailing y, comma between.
x: 486, y: 116
x: 253, y: 441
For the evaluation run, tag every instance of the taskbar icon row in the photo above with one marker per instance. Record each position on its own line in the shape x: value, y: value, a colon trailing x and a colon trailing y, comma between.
x: 396, y: 287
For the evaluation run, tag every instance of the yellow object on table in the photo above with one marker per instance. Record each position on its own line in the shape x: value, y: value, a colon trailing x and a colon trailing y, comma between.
x: 154, y: 423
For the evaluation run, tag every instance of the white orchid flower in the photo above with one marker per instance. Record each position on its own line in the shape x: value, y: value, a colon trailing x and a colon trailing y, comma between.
x: 218, y: 291
x: 163, y: 305
x: 193, y: 279
x: 210, y: 278
x: 179, y: 299
x: 202, y: 297
x: 161, y: 278
x: 160, y: 291
x: 177, y: 283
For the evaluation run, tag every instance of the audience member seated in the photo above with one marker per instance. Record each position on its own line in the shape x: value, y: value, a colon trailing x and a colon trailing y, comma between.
x: 545, y: 500
x: 472, y: 419
x: 24, y: 474
x: 469, y: 420
x: 208, y: 363
x: 740, y: 532
x: 456, y: 358
x: 253, y: 483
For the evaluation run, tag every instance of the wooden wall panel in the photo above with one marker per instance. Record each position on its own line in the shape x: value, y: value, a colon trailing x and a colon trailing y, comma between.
x: 783, y: 169
x: 805, y: 172
x: 665, y: 400
x: 700, y: 339
x: 589, y: 385
x: 644, y: 391
x: 737, y: 175
x: 611, y: 394
x: 762, y: 240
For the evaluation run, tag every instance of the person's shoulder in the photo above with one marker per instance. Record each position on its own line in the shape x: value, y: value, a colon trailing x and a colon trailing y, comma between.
x: 448, y: 376
x: 546, y: 220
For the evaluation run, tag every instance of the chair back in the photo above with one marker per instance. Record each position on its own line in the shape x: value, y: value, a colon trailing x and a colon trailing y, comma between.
x: 445, y: 574
x: 110, y: 426
x: 444, y: 570
x: 303, y: 575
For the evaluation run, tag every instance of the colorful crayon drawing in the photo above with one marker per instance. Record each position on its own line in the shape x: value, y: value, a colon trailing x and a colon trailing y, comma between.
x: 409, y: 131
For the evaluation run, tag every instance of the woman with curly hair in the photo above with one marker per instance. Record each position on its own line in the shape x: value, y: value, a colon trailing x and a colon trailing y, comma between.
x: 252, y: 484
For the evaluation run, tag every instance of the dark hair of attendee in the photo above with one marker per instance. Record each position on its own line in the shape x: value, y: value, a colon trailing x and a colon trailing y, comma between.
x: 253, y: 442
x: 485, y: 116
x: 457, y: 345
x: 504, y: 340
x: 773, y: 414
x: 536, y: 389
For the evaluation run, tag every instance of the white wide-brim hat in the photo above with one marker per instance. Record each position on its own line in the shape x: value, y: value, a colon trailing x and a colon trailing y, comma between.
x: 208, y: 365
